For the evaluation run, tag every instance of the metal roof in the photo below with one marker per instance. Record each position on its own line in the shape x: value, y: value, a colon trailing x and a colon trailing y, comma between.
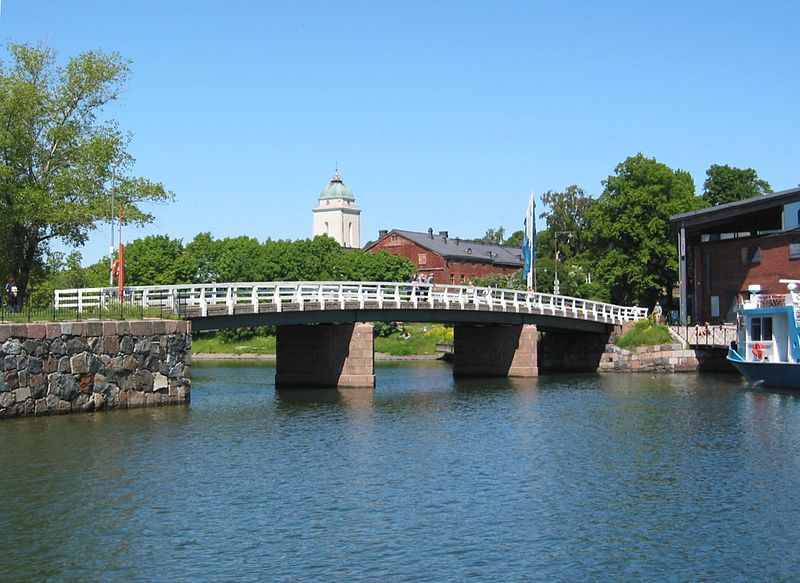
x: 758, y: 213
x: 336, y: 188
x: 461, y: 249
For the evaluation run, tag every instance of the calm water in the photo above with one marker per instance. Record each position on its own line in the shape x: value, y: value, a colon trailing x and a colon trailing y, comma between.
x: 562, y: 478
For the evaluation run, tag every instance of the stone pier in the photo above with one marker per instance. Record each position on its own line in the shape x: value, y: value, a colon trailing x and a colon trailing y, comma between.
x: 495, y: 351
x: 68, y: 367
x: 325, y: 355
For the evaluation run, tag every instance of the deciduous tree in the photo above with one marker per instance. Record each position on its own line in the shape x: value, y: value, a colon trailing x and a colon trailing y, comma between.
x: 58, y: 160
x: 726, y: 184
x: 628, y: 228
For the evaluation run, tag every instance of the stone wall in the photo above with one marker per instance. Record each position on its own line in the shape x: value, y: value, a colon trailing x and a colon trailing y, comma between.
x: 50, y: 368
x: 662, y: 358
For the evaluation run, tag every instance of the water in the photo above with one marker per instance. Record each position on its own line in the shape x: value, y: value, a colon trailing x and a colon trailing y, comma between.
x: 561, y: 478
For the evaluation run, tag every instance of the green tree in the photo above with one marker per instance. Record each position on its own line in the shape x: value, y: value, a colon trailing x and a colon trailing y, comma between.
x: 515, y: 240
x: 628, y: 230
x: 495, y: 236
x: 726, y: 184
x: 567, y: 215
x: 58, y: 161
x: 156, y: 260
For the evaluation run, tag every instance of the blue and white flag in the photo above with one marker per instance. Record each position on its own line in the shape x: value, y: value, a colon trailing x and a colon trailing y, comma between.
x: 529, y: 241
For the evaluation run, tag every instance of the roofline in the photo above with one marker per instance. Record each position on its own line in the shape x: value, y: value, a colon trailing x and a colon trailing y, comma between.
x: 476, y: 258
x: 719, y: 213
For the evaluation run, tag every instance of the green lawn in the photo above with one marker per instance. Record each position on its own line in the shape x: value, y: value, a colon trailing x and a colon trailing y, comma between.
x: 422, y: 339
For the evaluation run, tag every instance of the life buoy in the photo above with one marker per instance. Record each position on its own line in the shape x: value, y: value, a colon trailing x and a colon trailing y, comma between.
x: 758, y: 350
x: 115, y: 269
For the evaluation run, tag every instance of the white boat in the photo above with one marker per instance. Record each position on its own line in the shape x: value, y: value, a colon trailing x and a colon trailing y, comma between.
x: 767, y: 352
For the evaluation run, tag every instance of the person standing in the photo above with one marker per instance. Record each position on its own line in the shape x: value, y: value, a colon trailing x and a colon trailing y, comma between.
x: 11, y: 294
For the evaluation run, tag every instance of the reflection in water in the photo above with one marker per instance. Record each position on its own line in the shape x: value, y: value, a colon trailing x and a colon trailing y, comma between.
x: 562, y: 478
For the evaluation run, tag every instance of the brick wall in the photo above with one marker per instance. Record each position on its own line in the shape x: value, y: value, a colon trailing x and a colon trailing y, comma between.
x: 455, y: 272
x: 720, y: 271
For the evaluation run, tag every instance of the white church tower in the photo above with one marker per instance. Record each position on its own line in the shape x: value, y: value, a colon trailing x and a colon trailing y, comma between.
x: 337, y: 215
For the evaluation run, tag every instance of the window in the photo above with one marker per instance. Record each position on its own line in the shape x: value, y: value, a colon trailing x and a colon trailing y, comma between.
x: 751, y: 254
x: 469, y: 250
x: 794, y: 250
x: 761, y: 329
x: 394, y: 238
x: 422, y: 259
x: 452, y: 279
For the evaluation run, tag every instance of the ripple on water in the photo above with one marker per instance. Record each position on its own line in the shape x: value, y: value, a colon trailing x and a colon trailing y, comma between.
x: 561, y: 478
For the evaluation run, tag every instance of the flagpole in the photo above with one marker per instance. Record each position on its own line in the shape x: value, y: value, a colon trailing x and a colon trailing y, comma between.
x: 531, y: 236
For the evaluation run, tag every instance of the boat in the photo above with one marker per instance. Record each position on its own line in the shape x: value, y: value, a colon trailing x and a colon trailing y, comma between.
x: 767, y: 349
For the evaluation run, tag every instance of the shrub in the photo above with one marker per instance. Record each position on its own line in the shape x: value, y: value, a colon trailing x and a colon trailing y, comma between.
x: 645, y: 333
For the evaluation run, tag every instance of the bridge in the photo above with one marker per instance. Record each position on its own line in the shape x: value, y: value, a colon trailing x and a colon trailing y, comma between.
x: 324, y: 331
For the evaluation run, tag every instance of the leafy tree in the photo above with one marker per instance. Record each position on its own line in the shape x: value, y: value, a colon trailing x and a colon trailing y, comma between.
x: 58, y: 161
x: 156, y: 260
x: 567, y: 215
x: 202, y: 254
x: 495, y: 236
x: 628, y: 228
x: 729, y: 184
x: 515, y: 240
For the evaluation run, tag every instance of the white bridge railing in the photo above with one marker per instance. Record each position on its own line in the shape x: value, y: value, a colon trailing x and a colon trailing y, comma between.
x: 199, y: 300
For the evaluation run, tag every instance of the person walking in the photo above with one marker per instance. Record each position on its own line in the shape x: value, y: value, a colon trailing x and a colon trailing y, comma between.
x: 11, y: 294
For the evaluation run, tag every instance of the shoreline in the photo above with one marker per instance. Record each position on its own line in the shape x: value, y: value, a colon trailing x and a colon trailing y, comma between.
x: 204, y: 356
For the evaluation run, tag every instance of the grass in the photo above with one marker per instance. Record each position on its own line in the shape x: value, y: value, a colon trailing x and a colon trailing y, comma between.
x: 645, y: 333
x: 423, y: 340
x: 214, y: 344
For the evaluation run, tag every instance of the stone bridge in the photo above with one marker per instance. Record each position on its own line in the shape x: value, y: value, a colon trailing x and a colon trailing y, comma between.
x: 324, y: 330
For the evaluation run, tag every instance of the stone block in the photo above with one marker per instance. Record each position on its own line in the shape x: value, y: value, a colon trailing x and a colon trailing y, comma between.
x: 53, y: 331
x: 36, y: 347
x: 22, y: 394
x: 141, y: 328
x: 38, y: 385
x: 8, y: 398
x: 94, y: 328
x: 79, y: 364
x: 23, y: 378
x: 5, y: 332
x: 19, y: 331
x: 109, y: 329
x: 58, y: 346
x: 12, y: 346
x: 110, y: 345
x: 129, y: 363
x: 86, y: 383
x: 11, y: 379
x: 76, y: 345
x: 10, y: 362
x: 37, y: 331
x: 62, y: 386
x: 40, y: 407
x: 127, y: 345
x: 64, y: 365
x: 158, y: 327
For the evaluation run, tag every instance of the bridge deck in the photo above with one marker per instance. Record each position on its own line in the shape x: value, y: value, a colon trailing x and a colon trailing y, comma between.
x: 223, y: 305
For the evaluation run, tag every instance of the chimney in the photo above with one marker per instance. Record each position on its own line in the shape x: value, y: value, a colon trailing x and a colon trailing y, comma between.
x: 382, y: 233
x: 430, y: 232
x: 458, y: 240
x: 443, y: 235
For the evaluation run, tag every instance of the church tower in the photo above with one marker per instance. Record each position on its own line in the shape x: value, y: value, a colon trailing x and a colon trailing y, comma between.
x: 337, y: 215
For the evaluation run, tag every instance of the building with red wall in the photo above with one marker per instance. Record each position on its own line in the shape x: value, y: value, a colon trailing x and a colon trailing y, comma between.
x: 450, y: 260
x: 724, y: 249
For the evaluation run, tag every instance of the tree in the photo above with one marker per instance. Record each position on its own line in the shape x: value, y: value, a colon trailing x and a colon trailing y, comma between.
x: 729, y: 184
x: 58, y: 162
x: 628, y: 229
x: 567, y: 213
x: 156, y: 260
x: 515, y: 239
x: 493, y: 236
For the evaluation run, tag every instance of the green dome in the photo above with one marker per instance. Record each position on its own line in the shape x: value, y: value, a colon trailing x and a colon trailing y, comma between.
x: 337, y: 189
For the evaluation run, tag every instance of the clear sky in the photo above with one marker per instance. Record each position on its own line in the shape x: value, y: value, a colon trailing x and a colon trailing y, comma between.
x: 440, y: 114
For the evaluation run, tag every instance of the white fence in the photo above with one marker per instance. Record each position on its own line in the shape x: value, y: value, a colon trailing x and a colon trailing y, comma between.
x: 232, y: 298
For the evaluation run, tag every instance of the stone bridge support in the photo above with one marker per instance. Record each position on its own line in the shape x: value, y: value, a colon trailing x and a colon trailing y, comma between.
x: 325, y: 355
x: 495, y: 351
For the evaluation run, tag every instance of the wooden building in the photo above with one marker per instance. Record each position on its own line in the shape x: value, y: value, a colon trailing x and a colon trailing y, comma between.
x: 724, y: 249
x: 450, y: 260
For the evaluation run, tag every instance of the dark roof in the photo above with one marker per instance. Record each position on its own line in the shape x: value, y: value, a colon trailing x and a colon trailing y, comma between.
x: 461, y: 249
x: 760, y: 213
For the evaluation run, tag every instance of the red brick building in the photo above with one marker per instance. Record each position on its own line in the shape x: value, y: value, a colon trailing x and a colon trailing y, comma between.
x: 726, y: 248
x: 449, y: 260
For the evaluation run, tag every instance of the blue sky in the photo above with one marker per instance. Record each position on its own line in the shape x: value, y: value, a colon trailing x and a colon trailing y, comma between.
x: 440, y: 114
